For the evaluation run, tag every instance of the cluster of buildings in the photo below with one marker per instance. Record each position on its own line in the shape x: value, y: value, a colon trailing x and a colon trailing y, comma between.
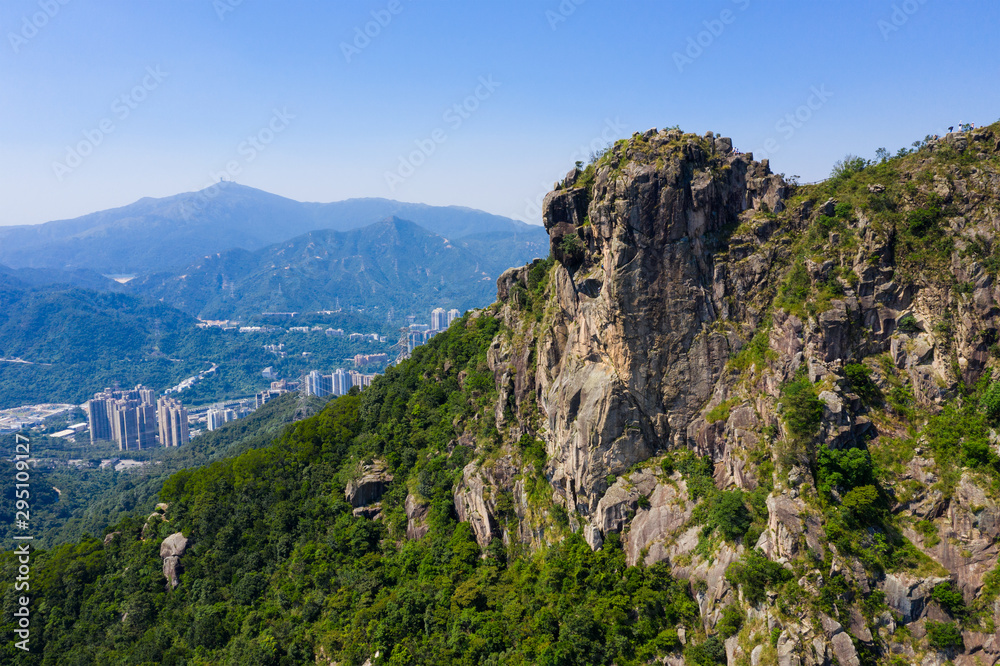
x: 135, y: 419
x: 279, y: 387
x: 361, y: 360
x: 217, y: 416
x: 28, y: 416
x: 418, y: 334
x: 332, y: 332
x: 338, y: 383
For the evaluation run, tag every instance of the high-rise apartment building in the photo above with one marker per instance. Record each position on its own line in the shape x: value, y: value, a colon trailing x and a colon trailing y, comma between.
x: 439, y: 319
x: 453, y: 314
x: 125, y: 417
x: 318, y: 384
x: 341, y: 382
x: 172, y: 418
x: 215, y: 418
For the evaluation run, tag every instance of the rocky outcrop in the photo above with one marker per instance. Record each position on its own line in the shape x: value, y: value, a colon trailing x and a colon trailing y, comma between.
x: 652, y: 528
x: 171, y: 550
x: 681, y: 300
x: 416, y: 518
x: 372, y: 482
x: 645, y: 248
x: 618, y: 505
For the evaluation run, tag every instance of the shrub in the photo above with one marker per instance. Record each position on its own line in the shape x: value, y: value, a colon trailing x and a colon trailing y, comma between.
x: 802, y: 408
x: 571, y: 244
x: 756, y: 574
x: 794, y: 292
x: 842, y: 210
x: 709, y: 653
x: 731, y: 621
x: 844, y: 469
x: 847, y: 167
x: 720, y: 412
x: 929, y: 531
x: 697, y: 473
x: 923, y: 220
x: 863, y: 503
x: 730, y: 515
x: 990, y: 403
x: 860, y: 377
x: 950, y: 599
x: 944, y: 636
x: 908, y: 324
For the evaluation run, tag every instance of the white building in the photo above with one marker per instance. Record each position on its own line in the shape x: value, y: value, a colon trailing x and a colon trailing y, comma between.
x: 341, y: 382
x: 439, y: 319
x: 453, y: 314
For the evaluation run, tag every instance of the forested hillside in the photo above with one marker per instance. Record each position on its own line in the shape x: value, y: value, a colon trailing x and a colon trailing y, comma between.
x: 75, y: 342
x: 391, y: 266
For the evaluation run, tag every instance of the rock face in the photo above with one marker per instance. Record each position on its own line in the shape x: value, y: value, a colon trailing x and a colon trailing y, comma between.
x: 644, y: 247
x: 667, y: 322
x: 171, y: 550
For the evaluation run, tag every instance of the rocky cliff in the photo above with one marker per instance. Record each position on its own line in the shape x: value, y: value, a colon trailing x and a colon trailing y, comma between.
x: 735, y: 372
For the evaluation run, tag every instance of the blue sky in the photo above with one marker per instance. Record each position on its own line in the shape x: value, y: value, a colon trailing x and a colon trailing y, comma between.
x: 102, y: 103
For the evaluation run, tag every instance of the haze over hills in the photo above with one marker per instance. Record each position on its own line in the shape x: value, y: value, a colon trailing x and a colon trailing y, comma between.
x: 84, y: 278
x: 390, y: 264
x: 160, y: 234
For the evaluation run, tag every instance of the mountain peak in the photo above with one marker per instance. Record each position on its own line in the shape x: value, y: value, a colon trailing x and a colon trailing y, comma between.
x: 153, y: 234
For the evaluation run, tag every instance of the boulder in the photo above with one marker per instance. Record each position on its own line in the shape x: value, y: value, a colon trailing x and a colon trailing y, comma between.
x: 171, y: 550
x: 174, y: 545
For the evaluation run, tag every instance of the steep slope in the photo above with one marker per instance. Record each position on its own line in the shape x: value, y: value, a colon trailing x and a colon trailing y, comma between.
x: 160, y: 234
x: 803, y: 341
x: 729, y: 420
x: 393, y: 264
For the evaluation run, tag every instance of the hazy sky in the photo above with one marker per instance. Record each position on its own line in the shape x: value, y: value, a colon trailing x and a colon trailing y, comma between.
x: 479, y: 104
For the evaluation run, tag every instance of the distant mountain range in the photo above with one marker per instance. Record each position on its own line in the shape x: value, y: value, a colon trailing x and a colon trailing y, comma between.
x: 155, y: 235
x: 393, y: 264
